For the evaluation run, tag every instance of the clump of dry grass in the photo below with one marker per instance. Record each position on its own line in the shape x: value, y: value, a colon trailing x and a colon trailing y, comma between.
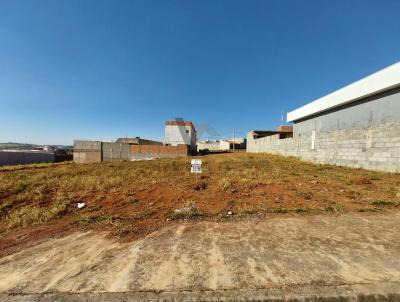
x: 5, y: 204
x: 385, y: 203
x: 247, y: 209
x: 226, y: 183
x: 289, y: 210
x: 200, y: 185
x: 364, y: 210
x: 85, y: 220
x: 191, y: 211
x: 334, y: 207
x: 31, y: 215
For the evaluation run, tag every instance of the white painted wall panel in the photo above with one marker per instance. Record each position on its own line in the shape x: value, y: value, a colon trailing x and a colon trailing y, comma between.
x: 175, y: 135
x: 380, y: 81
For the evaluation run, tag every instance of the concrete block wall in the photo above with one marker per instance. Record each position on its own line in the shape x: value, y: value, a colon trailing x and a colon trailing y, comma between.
x: 87, y: 151
x: 373, y: 148
x: 25, y: 157
x: 95, y: 151
x: 115, y: 151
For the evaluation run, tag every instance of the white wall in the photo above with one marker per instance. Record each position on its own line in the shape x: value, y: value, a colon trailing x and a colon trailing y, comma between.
x: 380, y: 81
x: 175, y: 135
x: 224, y: 145
x: 214, y: 146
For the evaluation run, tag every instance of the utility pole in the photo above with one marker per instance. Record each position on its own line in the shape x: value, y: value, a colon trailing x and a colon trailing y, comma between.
x: 234, y: 139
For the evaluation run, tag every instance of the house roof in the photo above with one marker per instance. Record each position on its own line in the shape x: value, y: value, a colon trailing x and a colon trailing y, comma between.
x: 380, y: 81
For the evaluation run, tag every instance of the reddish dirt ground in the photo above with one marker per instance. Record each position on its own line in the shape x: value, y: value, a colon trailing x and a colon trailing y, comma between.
x: 148, y: 196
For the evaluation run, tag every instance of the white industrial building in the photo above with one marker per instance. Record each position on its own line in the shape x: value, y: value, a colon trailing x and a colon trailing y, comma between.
x: 357, y: 126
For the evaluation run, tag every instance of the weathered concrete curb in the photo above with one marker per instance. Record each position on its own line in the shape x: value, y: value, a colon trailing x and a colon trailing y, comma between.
x: 389, y: 291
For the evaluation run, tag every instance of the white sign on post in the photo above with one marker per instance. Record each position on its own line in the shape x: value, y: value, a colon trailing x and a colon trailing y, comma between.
x: 195, y: 166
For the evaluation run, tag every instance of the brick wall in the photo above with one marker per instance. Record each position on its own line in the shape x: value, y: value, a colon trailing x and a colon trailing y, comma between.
x: 374, y: 148
x: 158, y: 151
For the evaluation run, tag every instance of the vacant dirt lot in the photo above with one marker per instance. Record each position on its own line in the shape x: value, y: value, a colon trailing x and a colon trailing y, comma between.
x: 129, y: 200
x: 325, y: 254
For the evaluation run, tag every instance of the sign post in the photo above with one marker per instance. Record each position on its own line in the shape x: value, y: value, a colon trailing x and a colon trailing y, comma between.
x: 196, y: 167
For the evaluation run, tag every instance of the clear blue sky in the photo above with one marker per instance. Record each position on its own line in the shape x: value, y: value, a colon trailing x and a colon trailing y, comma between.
x: 102, y: 69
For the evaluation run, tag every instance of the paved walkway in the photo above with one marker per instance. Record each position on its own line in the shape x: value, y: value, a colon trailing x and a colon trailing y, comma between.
x: 356, y: 253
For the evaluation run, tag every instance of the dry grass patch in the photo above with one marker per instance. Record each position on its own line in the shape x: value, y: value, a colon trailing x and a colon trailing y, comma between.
x: 31, y: 215
x: 385, y: 203
x: 189, y: 212
x: 138, y: 197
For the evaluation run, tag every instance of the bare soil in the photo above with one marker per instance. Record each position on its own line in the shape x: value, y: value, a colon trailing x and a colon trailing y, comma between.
x: 129, y: 200
x: 313, y: 251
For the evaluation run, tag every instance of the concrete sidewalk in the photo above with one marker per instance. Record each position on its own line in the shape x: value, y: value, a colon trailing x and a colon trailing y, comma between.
x: 354, y: 257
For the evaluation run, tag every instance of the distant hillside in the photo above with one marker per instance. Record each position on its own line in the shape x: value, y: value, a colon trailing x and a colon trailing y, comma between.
x: 22, y: 146
x: 17, y: 146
